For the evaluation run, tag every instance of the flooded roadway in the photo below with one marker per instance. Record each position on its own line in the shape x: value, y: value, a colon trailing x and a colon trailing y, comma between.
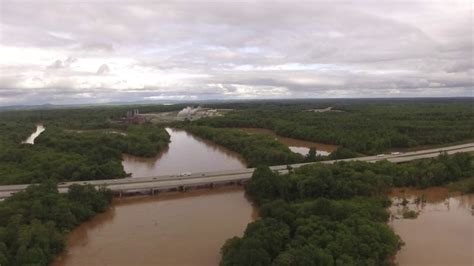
x: 171, y: 228
x: 443, y: 232
x: 295, y: 145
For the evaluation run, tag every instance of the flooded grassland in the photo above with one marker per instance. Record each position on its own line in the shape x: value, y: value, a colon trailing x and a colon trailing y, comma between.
x: 295, y: 145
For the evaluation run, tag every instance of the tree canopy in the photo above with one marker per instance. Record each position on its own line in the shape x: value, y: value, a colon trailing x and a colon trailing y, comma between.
x: 323, y: 214
x: 34, y: 223
x: 365, y: 126
x: 76, y: 145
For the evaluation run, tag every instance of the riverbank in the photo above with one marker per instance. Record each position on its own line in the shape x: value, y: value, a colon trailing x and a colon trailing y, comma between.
x: 185, y: 153
x: 295, y: 145
x: 464, y: 186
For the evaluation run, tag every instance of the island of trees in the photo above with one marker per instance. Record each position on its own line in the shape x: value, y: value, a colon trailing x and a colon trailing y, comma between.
x: 335, y: 214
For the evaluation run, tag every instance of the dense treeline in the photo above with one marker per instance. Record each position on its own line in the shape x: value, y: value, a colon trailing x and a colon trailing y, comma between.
x: 15, y: 131
x: 325, y: 214
x: 34, y: 223
x: 344, y: 180
x: 426, y: 173
x: 257, y: 149
x: 363, y: 126
x: 81, y: 144
x: 97, y: 117
x: 319, y: 232
x: 62, y: 155
x: 139, y: 140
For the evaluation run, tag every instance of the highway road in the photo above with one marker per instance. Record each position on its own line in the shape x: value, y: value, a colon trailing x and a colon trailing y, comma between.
x: 169, y: 182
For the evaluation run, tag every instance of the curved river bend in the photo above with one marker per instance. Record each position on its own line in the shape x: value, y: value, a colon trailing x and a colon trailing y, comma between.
x: 185, y: 153
x: 171, y: 228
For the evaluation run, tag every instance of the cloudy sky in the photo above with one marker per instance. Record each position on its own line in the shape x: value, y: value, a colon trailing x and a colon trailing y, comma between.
x: 90, y: 51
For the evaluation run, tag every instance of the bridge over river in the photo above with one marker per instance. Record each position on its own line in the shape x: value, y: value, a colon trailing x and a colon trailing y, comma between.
x: 155, y: 184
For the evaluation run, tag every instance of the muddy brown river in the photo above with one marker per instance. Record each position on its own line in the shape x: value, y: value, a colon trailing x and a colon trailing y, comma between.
x: 443, y: 232
x: 171, y: 228
x: 186, y: 153
x: 295, y: 145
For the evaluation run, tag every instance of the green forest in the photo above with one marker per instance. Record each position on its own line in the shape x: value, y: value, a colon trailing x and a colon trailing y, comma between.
x: 87, y: 143
x: 261, y: 149
x: 324, y: 214
x: 257, y: 149
x: 34, y: 223
x: 364, y: 126
x: 82, y: 144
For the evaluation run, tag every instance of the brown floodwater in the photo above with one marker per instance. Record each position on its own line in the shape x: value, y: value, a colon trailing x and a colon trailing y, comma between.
x: 31, y: 139
x: 295, y: 145
x: 185, y: 153
x: 170, y: 229
x: 443, y: 232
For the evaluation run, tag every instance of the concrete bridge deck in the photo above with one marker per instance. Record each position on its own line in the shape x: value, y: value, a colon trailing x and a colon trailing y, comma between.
x: 174, y: 182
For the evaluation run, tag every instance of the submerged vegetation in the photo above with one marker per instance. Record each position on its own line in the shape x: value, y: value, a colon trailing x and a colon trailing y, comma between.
x: 463, y: 185
x: 410, y: 214
x: 34, y: 223
x: 332, y: 214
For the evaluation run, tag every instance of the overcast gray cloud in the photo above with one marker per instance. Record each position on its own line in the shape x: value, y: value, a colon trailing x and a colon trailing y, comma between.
x: 98, y: 51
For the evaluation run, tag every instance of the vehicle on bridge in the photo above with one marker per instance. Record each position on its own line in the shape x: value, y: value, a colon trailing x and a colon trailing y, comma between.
x: 185, y: 174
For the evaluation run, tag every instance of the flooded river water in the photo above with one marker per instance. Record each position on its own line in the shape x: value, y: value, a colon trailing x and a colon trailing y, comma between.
x: 443, y: 232
x: 190, y: 228
x: 295, y: 145
x: 170, y: 228
x: 186, y: 153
